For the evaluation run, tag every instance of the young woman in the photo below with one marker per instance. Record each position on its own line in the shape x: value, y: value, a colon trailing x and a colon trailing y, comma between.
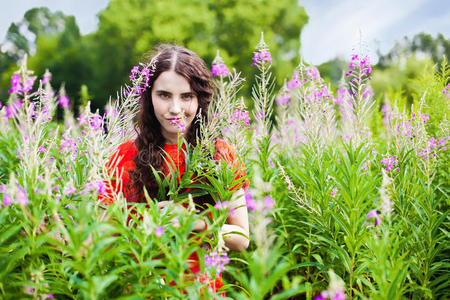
x: 179, y: 90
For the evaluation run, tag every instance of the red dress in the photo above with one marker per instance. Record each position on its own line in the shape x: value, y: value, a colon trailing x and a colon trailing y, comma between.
x: 122, y: 161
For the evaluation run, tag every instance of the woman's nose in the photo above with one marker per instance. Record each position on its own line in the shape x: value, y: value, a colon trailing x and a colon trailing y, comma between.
x: 175, y: 107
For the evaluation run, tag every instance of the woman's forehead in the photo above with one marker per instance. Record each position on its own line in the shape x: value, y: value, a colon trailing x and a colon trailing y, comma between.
x: 170, y: 81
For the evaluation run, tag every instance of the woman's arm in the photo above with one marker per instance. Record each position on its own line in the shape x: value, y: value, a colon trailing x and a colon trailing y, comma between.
x: 237, y: 222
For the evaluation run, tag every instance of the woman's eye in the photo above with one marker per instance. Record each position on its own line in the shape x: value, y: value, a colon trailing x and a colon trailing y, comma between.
x: 164, y: 96
x: 187, y: 97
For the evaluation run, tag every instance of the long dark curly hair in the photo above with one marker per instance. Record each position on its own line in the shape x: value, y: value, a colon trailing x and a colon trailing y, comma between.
x: 149, y: 141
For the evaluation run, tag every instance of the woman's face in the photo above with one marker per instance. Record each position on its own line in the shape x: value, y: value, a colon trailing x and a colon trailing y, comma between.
x: 174, y: 103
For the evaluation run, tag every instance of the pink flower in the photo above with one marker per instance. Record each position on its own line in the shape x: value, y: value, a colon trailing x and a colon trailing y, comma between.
x: 294, y: 82
x: 159, y: 231
x: 21, y: 196
x: 283, y: 99
x: 6, y: 200
x: 262, y: 57
x: 15, y: 84
x: 64, y: 102
x: 373, y: 214
x: 216, y: 261
x: 220, y: 70
x: 251, y: 205
x: 334, y: 192
x: 96, y: 122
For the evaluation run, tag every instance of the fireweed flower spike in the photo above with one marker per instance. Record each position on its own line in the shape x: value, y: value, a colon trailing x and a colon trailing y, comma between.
x: 336, y: 289
x: 373, y: 214
x: 216, y: 262
x: 159, y: 231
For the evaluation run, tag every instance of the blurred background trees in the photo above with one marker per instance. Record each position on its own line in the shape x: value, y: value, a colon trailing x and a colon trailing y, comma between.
x: 129, y: 29
x: 97, y: 64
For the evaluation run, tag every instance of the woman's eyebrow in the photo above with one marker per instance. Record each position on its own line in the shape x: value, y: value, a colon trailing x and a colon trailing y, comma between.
x: 163, y: 91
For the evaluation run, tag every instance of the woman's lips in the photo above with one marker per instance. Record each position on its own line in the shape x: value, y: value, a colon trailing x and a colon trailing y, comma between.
x: 174, y: 121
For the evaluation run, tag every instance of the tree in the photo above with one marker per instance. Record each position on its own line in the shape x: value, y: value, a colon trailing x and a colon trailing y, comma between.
x: 128, y: 29
x: 58, y: 46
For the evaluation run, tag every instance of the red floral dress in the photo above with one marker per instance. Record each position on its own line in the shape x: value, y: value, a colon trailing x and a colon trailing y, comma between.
x: 122, y: 160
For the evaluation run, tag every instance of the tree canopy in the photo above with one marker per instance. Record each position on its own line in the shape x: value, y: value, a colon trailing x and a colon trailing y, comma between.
x: 128, y: 29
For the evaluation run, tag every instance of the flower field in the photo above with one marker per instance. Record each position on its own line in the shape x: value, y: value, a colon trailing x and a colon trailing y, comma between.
x: 348, y: 196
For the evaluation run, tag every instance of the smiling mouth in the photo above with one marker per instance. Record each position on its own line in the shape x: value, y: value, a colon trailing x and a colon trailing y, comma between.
x: 174, y: 121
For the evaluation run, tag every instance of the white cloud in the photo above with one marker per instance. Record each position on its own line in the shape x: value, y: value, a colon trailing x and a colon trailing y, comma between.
x: 334, y: 27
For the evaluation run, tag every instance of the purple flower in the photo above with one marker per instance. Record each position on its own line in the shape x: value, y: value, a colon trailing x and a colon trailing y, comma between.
x: 64, y: 102
x: 294, y: 82
x: 96, y: 122
x: 42, y: 149
x: 216, y: 261
x: 45, y: 79
x: 69, y: 191
x: 283, y: 99
x: 268, y: 202
x: 28, y: 289
x: 222, y: 205
x: 389, y: 162
x: 15, y: 84
x: 6, y: 200
x: 28, y: 84
x: 444, y: 91
x: 312, y: 73
x: 241, y: 119
x: 181, y: 127
x: 261, y: 57
x: 340, y: 295
x: 334, y: 192
x: 219, y: 69
x: 373, y: 214
x: 159, y: 231
x: 251, y: 205
x: 21, y: 196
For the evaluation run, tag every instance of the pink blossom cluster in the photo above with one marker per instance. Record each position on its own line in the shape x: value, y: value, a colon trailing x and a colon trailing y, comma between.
x: 361, y: 63
x: 261, y: 57
x: 390, y: 162
x: 338, y: 295
x: 312, y: 73
x: 225, y: 205
x: 216, y: 261
x: 135, y: 74
x: 17, y: 195
x: 99, y: 186
x: 334, y: 192
x: 18, y: 87
x: 46, y: 78
x: 433, y: 145
x: 294, y: 82
x: 64, y: 101
x: 219, y: 69
x: 341, y: 95
x: 96, y: 122
x: 264, y: 207
x: 283, y: 99
x: 373, y: 214
x: 11, y: 110
x: 240, y: 118
x: 444, y: 91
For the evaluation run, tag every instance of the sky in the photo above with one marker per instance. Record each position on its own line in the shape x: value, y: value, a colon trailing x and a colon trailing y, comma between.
x: 334, y: 29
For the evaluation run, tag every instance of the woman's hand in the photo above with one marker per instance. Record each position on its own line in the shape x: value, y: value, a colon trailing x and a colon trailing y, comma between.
x: 200, y: 224
x: 236, y: 232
